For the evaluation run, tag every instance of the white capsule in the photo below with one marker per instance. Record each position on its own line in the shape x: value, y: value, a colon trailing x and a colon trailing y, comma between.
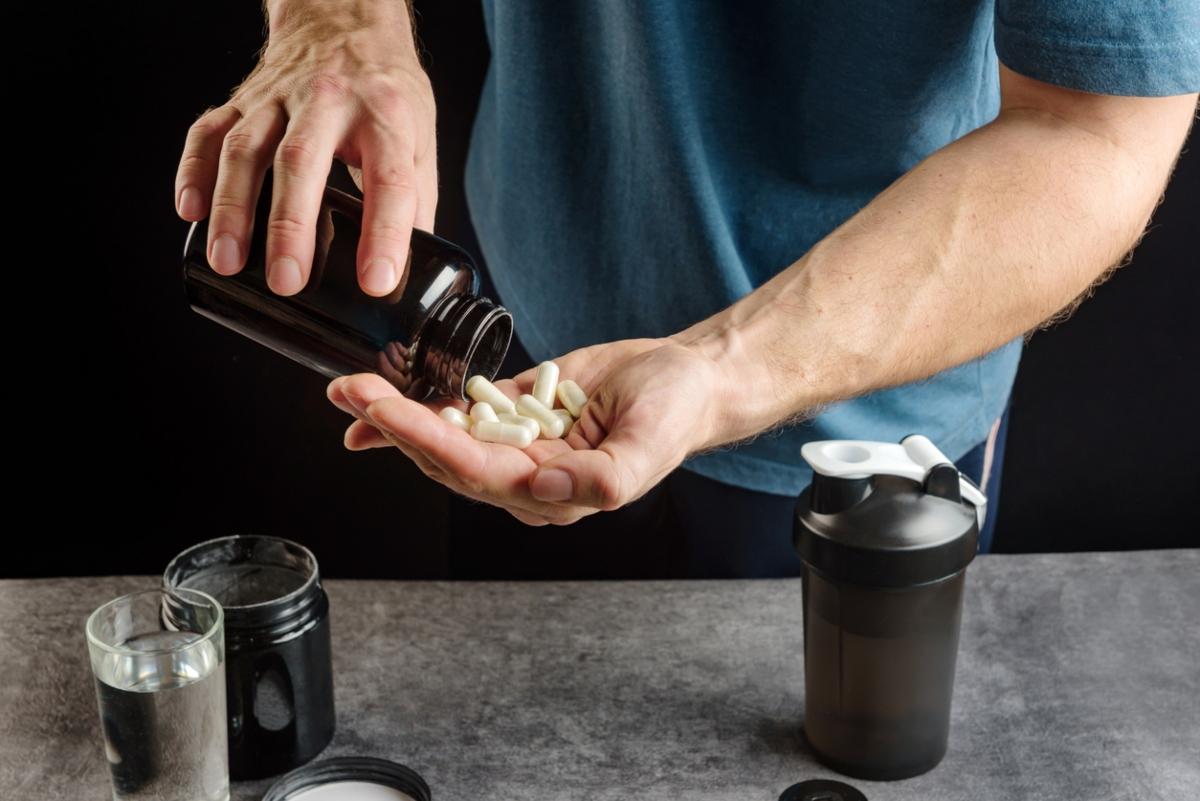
x: 483, y: 412
x: 480, y: 389
x: 548, y: 422
x: 546, y: 383
x: 504, y: 433
x: 521, y: 420
x: 568, y: 420
x: 572, y: 397
x: 456, y: 418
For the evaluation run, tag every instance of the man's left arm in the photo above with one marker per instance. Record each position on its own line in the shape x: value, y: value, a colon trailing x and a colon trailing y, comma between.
x: 980, y: 243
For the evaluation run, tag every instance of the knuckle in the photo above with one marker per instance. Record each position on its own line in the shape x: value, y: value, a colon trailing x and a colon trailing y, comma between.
x: 326, y: 85
x: 390, y: 232
x: 388, y: 101
x: 193, y: 162
x: 388, y: 176
x: 207, y: 126
x: 240, y: 146
x: 228, y: 207
x: 285, y: 224
x: 296, y: 154
x: 203, y: 128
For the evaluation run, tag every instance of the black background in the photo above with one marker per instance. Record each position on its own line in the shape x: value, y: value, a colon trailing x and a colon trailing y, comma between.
x: 141, y: 427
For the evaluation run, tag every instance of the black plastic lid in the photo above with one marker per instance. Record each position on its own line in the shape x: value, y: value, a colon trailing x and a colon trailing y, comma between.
x: 370, y: 770
x: 822, y: 790
x: 896, y: 535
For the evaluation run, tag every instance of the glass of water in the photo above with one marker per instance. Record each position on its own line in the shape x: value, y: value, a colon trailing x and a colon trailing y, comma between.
x: 159, y: 661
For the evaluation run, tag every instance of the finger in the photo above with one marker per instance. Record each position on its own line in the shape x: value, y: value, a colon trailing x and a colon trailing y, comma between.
x: 197, y: 172
x: 415, y: 425
x: 616, y: 472
x: 389, y: 210
x: 337, y: 397
x: 495, y: 474
x: 245, y: 155
x: 362, y: 436
x: 427, y: 194
x: 361, y: 390
x: 434, y: 471
x: 587, y: 431
x: 483, y: 471
x: 301, y: 170
x: 419, y: 427
x: 528, y: 518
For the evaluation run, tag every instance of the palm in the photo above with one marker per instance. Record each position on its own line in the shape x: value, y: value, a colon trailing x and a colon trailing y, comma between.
x: 485, y: 471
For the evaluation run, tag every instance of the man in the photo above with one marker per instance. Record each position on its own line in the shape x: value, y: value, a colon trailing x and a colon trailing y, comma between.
x: 765, y: 212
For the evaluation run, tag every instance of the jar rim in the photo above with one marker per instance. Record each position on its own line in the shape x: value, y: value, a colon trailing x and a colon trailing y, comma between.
x: 285, y: 599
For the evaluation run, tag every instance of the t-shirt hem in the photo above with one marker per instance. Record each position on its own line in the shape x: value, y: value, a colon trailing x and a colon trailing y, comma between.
x: 1133, y: 69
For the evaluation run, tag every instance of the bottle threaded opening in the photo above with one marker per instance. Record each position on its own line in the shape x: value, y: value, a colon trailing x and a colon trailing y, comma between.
x: 467, y: 336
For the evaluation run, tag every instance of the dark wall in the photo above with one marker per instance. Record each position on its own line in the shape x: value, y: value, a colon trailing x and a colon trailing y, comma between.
x: 142, y: 428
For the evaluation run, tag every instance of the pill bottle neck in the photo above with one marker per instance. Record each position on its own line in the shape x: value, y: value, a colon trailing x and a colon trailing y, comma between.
x: 466, y: 335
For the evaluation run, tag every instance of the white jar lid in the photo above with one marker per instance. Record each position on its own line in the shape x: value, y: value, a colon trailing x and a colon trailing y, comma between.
x: 350, y: 779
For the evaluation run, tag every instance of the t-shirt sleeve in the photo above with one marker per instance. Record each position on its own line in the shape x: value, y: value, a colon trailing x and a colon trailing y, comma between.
x: 1143, y: 48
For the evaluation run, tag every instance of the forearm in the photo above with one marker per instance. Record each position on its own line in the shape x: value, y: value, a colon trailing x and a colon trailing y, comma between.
x: 978, y: 244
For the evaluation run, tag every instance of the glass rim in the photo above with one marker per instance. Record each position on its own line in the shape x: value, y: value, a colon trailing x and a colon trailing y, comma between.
x: 205, y: 636
x: 309, y: 580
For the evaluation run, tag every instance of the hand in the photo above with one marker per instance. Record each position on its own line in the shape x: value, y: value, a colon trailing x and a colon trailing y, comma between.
x: 328, y: 85
x: 651, y: 404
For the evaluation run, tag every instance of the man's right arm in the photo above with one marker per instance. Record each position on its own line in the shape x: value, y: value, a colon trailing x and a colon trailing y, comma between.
x: 336, y: 79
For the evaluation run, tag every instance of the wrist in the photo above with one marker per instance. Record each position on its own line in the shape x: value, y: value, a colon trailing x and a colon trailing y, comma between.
x: 734, y: 408
x: 330, y: 19
x: 769, y: 369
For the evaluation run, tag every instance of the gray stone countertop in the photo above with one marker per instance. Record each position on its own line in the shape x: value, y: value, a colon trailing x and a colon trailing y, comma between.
x: 1078, y: 678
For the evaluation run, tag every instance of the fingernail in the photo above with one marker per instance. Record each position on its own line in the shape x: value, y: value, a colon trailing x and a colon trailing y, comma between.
x: 226, y: 256
x: 191, y: 205
x: 380, y: 276
x: 283, y: 276
x: 552, y: 485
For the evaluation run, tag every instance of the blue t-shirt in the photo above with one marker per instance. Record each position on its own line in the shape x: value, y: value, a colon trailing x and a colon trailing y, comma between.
x: 637, y: 166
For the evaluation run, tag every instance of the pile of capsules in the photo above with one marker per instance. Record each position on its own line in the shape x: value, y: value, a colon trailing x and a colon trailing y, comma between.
x: 494, y: 417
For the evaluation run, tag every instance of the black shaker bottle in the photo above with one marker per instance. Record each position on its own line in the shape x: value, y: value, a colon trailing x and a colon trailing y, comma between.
x: 427, y: 337
x: 885, y: 533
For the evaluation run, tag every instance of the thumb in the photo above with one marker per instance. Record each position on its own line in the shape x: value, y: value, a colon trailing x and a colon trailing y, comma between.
x: 606, y: 478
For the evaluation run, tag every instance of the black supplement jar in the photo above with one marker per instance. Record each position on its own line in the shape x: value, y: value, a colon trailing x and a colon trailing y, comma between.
x: 426, y: 338
x: 278, y: 670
